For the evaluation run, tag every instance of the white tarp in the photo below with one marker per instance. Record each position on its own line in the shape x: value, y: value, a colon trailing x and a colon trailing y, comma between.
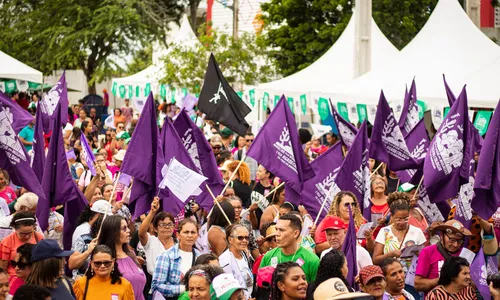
x: 14, y: 69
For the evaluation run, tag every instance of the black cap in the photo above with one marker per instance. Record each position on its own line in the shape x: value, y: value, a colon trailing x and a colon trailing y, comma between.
x: 48, y: 248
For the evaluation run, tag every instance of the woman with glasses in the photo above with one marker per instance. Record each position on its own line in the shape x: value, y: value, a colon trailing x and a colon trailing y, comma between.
x: 380, y: 207
x: 393, y: 238
x: 115, y: 234
x: 235, y: 259
x: 103, y: 279
x: 22, y: 265
x: 172, y: 265
x: 24, y: 224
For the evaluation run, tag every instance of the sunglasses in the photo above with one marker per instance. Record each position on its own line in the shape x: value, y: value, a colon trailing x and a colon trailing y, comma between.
x: 21, y: 265
x: 352, y: 204
x: 106, y: 263
x: 217, y: 147
x: 121, y: 127
x: 241, y: 237
x: 250, y: 140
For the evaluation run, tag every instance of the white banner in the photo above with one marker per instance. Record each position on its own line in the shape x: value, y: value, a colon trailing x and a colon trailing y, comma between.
x: 181, y: 180
x: 320, y: 130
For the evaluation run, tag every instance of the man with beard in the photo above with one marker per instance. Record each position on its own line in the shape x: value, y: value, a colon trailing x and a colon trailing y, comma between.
x: 395, y: 278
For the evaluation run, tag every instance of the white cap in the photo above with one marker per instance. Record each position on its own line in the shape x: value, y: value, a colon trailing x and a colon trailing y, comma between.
x: 225, y: 285
x: 101, y: 206
x: 120, y: 155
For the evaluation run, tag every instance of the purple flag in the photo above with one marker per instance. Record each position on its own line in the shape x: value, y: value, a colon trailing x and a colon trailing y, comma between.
x: 349, y: 249
x: 387, y: 143
x: 433, y: 212
x: 491, y: 264
x: 449, y: 92
x: 487, y: 183
x: 19, y: 117
x: 59, y: 186
x: 13, y: 156
x: 417, y: 141
x: 57, y: 94
x: 354, y: 173
x: 478, y: 274
x: 189, y: 102
x: 38, y: 149
x: 141, y: 160
x: 409, y: 115
x: 326, y: 167
x: 277, y: 148
x: 199, y: 150
x: 125, y: 179
x: 447, y: 163
x: 347, y: 131
x: 87, y: 154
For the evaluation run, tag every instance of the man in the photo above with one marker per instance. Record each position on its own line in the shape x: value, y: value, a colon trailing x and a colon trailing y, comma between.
x: 331, y: 139
x: 395, y: 279
x: 372, y: 281
x: 288, y: 231
x: 227, y: 137
x: 252, y: 163
x: 122, y: 140
x: 128, y: 112
x: 336, y: 230
x: 453, y: 234
x: 26, y: 135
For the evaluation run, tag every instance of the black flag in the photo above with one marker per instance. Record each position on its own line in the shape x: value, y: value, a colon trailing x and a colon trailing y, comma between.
x: 220, y: 103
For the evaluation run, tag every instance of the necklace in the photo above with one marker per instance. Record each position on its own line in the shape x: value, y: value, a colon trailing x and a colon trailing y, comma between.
x: 293, y: 257
x: 397, y: 230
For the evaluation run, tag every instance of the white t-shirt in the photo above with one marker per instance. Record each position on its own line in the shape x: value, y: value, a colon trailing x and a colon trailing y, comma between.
x: 363, y: 258
x: 86, y: 176
x: 386, y: 237
x: 152, y: 249
x: 186, y: 261
x: 239, y: 268
x: 5, y: 211
x: 83, y: 228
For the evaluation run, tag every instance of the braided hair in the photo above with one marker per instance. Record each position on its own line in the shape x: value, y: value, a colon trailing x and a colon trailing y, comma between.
x: 398, y: 201
x: 279, y: 275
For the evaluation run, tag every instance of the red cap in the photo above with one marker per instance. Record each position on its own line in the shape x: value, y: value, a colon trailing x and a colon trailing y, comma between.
x: 369, y: 272
x: 332, y: 222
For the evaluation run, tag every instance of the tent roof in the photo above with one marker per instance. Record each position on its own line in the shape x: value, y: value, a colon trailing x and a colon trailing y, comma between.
x: 449, y: 44
x: 14, y: 69
x: 336, y: 65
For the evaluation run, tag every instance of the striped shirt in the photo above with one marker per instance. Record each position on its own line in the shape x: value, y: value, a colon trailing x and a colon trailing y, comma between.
x: 439, y: 293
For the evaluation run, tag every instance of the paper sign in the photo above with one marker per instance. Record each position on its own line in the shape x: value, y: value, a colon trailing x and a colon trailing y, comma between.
x: 362, y: 229
x: 181, y: 181
x: 410, y: 275
x: 320, y: 130
x: 261, y: 201
x: 376, y: 218
x: 411, y: 250
x: 468, y: 255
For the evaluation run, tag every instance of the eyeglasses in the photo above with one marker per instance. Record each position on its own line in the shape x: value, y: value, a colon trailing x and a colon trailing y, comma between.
x: 249, y: 140
x: 351, y: 204
x: 124, y: 228
x: 25, y: 234
x: 121, y: 127
x: 166, y: 225
x: 379, y: 183
x: 453, y: 240
x: 241, y: 237
x: 217, y: 147
x: 105, y: 263
x: 99, y: 161
x: 402, y: 219
x: 21, y: 265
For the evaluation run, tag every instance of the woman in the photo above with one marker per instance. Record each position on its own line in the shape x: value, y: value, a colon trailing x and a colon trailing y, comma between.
x: 332, y: 265
x: 289, y: 282
x: 47, y: 269
x: 88, y: 217
x: 316, y: 147
x: 24, y: 224
x: 116, y: 235
x: 6, y: 192
x: 216, y: 143
x: 217, y: 223
x: 173, y: 264
x: 271, y: 213
x: 82, y: 116
x: 241, y: 182
x: 4, y: 284
x: 119, y: 117
x: 194, y: 211
x: 163, y: 226
x: 198, y: 281
x: 75, y: 164
x: 417, y: 217
x: 393, y: 238
x: 22, y: 265
x: 117, y: 206
x: 454, y: 281
x: 237, y: 205
x: 240, y: 143
x: 378, y: 197
x: 103, y: 280
x: 83, y: 247
x: 235, y: 259
x: 86, y: 127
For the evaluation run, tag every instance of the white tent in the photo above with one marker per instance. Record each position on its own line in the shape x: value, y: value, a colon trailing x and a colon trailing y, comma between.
x: 449, y: 44
x: 336, y: 66
x: 14, y: 69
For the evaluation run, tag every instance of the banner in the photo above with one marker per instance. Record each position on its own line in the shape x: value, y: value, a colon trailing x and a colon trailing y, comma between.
x: 371, y: 113
x: 343, y: 111
x: 130, y: 91
x: 353, y: 113
x: 10, y: 86
x: 303, y: 104
x: 2, y: 86
x: 446, y: 110
x: 421, y: 108
x: 114, y: 88
x: 291, y: 104
x: 163, y: 91
x: 251, y: 94
x: 184, y: 92
x: 362, y: 113
x: 22, y: 85
x: 265, y: 102
x: 147, y: 89
x: 323, y: 109
x: 122, y: 91
x: 482, y: 121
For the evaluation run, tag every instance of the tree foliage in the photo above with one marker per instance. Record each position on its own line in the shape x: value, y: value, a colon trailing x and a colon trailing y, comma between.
x: 300, y: 31
x: 82, y: 34
x: 243, y: 61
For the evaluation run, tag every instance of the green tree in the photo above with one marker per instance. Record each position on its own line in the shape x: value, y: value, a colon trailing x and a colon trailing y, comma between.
x: 140, y: 61
x: 300, y: 31
x: 243, y: 61
x: 82, y: 34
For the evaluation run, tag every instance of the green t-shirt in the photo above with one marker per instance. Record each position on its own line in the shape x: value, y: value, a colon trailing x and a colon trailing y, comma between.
x: 305, y: 258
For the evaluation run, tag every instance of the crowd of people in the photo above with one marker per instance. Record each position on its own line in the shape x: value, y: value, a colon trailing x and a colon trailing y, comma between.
x: 241, y: 249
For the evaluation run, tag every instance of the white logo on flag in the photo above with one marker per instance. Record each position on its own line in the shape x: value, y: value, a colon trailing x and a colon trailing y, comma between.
x: 8, y: 141
x: 217, y: 95
x: 323, y: 188
x: 346, y: 134
x: 412, y: 118
x: 447, y: 150
x: 430, y: 210
x: 181, y: 181
x: 284, y: 150
x: 49, y: 102
x: 362, y: 180
x: 393, y: 139
x: 465, y: 197
x: 190, y: 145
x: 419, y: 151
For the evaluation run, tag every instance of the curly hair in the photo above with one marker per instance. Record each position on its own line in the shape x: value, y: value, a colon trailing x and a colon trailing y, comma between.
x: 115, y: 274
x: 279, y: 275
x: 25, y: 252
x: 398, y: 201
x: 334, y: 208
x: 330, y: 266
x: 243, y: 171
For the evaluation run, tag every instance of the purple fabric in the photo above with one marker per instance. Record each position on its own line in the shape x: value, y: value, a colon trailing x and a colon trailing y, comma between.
x: 409, y: 115
x: 38, y: 155
x: 87, y: 154
x: 487, y: 183
x: 417, y: 141
x: 124, y: 179
x: 141, y: 160
x: 449, y: 92
x: 326, y: 167
x: 189, y: 102
x: 59, y: 186
x: 58, y: 94
x: 387, y: 143
x: 347, y: 131
x: 134, y: 274
x: 349, y: 249
x: 354, y: 173
x: 17, y: 115
x: 447, y: 163
x: 478, y: 274
x: 277, y: 148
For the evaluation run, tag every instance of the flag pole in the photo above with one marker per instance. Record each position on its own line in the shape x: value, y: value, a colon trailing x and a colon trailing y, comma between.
x: 397, y: 186
x: 218, y: 204
x: 267, y: 195
x: 418, y: 187
x: 374, y: 171
x: 232, y: 175
x: 322, y: 206
x: 109, y: 202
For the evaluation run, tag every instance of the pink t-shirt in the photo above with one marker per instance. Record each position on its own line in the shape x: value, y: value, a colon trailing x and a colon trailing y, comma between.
x: 430, y: 262
x: 8, y: 194
x: 8, y: 248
